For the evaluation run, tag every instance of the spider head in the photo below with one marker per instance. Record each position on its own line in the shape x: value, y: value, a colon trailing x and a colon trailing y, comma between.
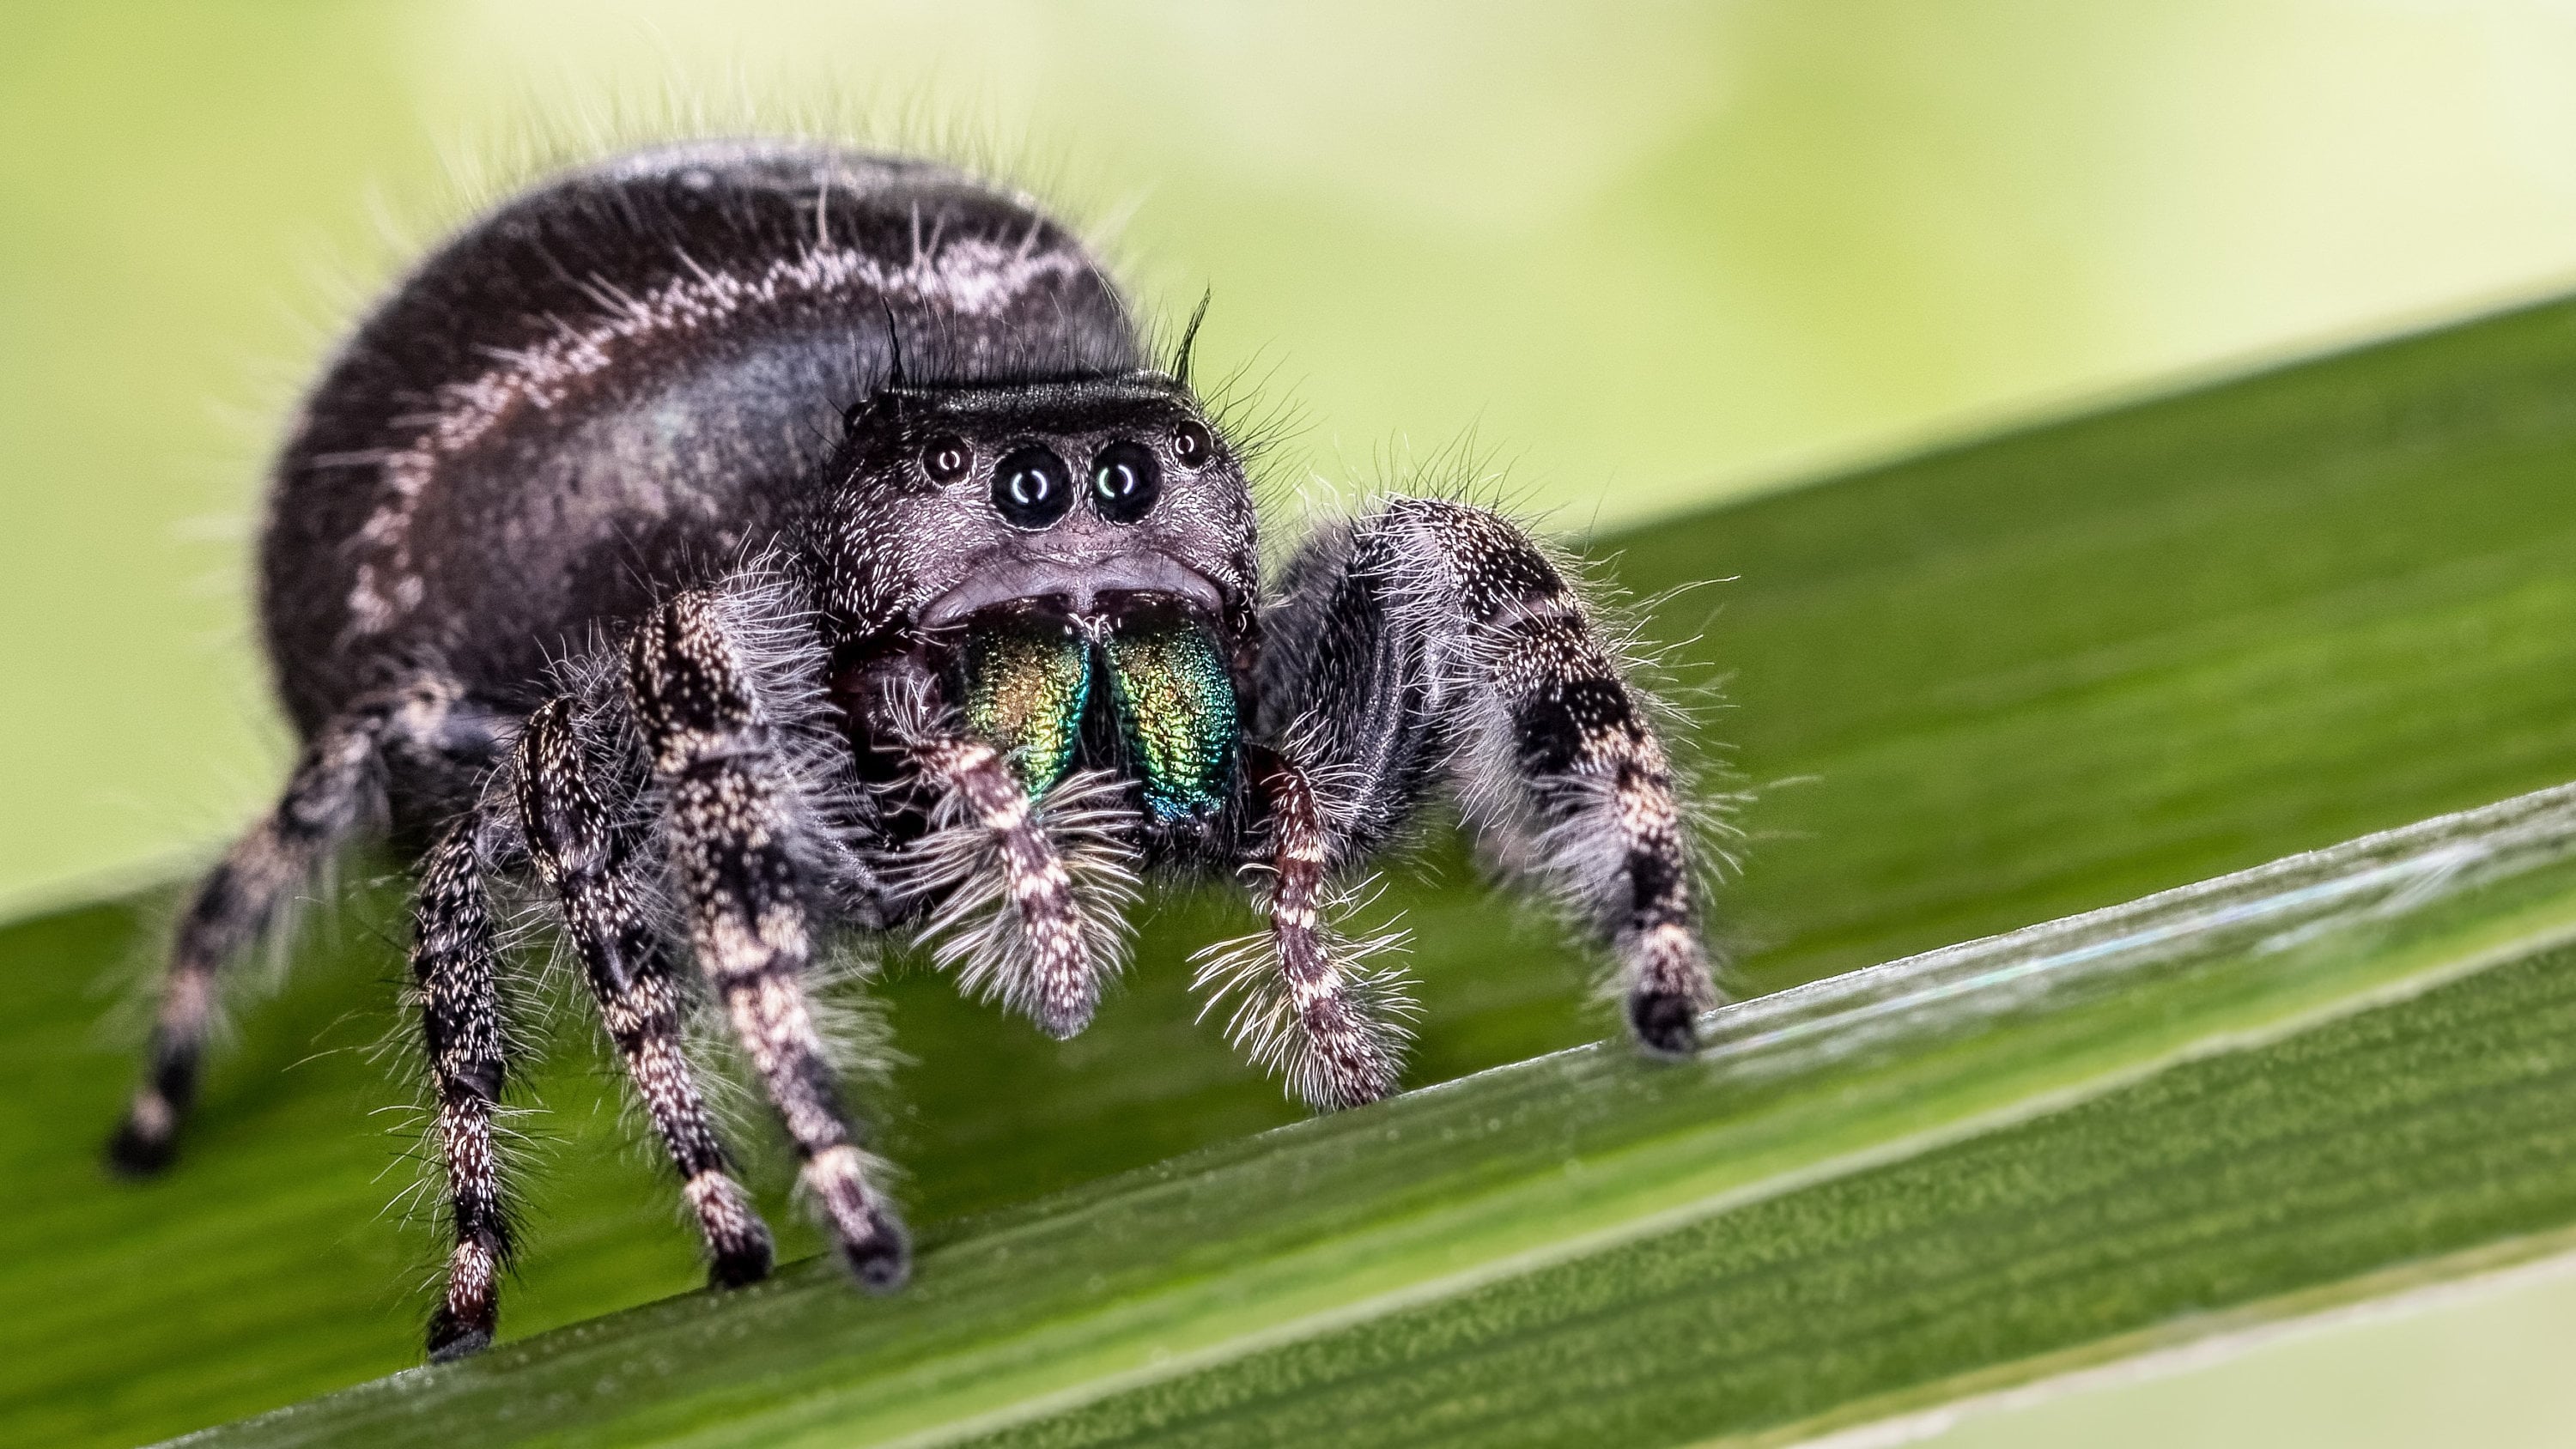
x: 1077, y: 556
x: 1076, y: 493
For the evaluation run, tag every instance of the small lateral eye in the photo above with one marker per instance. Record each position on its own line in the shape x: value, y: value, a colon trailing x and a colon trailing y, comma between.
x: 947, y: 458
x: 1125, y: 482
x: 1191, y: 445
x: 1032, y: 488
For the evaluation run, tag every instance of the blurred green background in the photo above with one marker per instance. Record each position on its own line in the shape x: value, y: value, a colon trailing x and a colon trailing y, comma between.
x: 1632, y: 256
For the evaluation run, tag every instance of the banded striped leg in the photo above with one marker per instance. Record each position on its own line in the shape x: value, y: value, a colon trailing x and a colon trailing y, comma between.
x: 585, y: 859
x: 1041, y: 962
x: 333, y: 785
x: 729, y: 824
x: 1434, y: 639
x: 1311, y: 1005
x: 455, y: 967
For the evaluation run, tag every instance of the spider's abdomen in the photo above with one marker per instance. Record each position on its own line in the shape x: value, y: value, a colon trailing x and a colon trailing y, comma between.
x: 612, y: 386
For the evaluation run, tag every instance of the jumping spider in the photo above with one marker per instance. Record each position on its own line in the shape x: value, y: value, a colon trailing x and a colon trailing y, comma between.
x: 739, y: 541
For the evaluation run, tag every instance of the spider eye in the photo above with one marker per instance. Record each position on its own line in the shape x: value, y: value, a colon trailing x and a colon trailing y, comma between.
x: 946, y: 459
x: 1032, y: 488
x: 1125, y: 481
x: 1192, y: 445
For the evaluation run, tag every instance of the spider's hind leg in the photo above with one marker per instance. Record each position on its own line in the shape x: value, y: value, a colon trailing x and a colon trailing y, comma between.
x: 336, y: 785
x: 456, y: 968
x: 584, y: 852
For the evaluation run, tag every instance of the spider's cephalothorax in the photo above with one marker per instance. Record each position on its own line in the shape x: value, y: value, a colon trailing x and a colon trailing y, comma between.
x: 737, y: 543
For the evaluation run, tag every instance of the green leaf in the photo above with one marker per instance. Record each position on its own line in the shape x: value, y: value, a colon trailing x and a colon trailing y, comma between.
x: 2020, y: 1153
x: 1991, y: 687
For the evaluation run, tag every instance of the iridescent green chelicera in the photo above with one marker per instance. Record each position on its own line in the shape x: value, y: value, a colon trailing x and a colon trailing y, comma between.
x: 1028, y: 680
x: 1028, y: 677
x: 1176, y: 708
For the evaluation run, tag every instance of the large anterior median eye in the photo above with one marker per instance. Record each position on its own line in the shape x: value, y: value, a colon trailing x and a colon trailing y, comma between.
x: 1032, y: 488
x: 1125, y: 481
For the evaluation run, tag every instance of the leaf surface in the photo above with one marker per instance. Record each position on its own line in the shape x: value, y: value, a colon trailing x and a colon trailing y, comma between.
x: 2020, y: 1153
x: 2002, y: 684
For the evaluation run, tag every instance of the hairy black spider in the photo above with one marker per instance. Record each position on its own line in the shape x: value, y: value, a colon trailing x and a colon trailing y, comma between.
x: 736, y: 541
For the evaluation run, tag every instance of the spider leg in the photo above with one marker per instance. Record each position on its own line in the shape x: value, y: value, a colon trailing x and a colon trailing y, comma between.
x: 730, y: 820
x: 336, y: 784
x: 584, y: 856
x: 457, y: 969
x: 1434, y: 639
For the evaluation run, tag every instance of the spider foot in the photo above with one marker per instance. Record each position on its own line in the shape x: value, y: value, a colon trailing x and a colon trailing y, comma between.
x: 738, y: 1247
x: 740, y: 1267
x: 1666, y: 1022
x: 882, y: 1260
x: 865, y: 1232
x: 1671, y: 988
x: 145, y: 1143
x: 452, y: 1336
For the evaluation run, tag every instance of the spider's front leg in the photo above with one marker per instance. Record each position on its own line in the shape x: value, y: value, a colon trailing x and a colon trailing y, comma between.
x: 586, y: 856
x: 1432, y: 638
x: 729, y: 823
x: 1311, y: 1006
